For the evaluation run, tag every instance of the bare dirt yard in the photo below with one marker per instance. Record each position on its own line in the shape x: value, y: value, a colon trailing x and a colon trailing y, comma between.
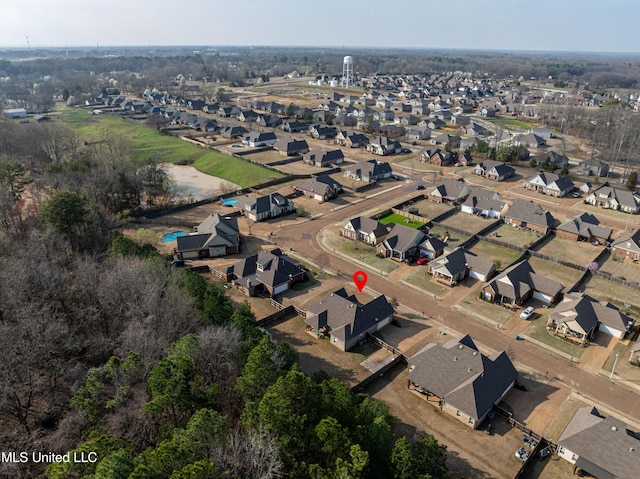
x: 578, y: 252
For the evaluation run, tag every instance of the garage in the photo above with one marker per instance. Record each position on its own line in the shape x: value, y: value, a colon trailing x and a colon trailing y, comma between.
x: 216, y: 251
x: 477, y: 275
x: 616, y: 333
x: 280, y: 288
x: 545, y: 298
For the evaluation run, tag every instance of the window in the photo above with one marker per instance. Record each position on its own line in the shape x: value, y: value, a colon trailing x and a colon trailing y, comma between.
x: 458, y: 413
x: 471, y: 420
x: 574, y: 457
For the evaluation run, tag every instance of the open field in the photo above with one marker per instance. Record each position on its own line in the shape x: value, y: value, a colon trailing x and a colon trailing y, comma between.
x: 515, y: 236
x: 399, y: 220
x: 620, y: 269
x: 149, y: 144
x: 578, y: 252
x: 567, y: 276
x: 362, y: 252
x: 494, y: 252
x: 467, y: 222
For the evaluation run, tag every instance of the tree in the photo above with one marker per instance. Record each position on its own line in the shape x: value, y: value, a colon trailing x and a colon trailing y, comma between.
x: 290, y: 110
x: 323, y: 260
x: 424, y: 459
x: 14, y: 177
x: 632, y: 181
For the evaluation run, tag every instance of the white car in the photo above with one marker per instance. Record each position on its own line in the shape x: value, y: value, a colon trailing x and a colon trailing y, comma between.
x: 526, y: 314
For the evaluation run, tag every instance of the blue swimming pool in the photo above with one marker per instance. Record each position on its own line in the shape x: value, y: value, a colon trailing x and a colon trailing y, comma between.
x: 229, y: 202
x: 172, y: 235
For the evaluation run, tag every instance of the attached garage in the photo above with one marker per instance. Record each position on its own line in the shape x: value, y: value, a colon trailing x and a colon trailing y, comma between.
x: 280, y: 288
x: 545, y: 298
x: 612, y: 331
x: 477, y: 275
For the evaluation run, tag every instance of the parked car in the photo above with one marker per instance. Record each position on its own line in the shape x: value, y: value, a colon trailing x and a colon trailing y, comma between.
x: 458, y: 164
x: 420, y: 187
x: 422, y: 260
x: 576, y: 195
x: 526, y: 314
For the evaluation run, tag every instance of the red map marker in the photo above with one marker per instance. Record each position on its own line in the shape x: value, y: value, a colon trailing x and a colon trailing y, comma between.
x: 360, y: 279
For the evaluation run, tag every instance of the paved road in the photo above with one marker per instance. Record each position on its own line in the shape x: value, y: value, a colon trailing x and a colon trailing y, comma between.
x: 303, y: 237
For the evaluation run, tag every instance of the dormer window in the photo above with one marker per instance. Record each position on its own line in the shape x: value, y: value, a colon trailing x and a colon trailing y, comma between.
x: 259, y: 267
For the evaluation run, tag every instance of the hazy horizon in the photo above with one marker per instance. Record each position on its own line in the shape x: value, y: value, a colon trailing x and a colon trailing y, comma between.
x: 546, y: 26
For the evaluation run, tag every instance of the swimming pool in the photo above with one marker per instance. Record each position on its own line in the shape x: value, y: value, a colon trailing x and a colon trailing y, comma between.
x: 229, y: 202
x: 172, y: 235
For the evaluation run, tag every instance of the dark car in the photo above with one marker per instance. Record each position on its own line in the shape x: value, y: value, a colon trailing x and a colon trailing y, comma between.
x: 420, y: 187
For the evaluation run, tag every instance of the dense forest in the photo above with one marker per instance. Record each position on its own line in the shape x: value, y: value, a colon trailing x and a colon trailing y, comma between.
x: 111, y: 354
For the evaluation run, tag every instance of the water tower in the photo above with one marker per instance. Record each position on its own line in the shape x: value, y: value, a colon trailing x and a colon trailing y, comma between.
x: 347, y: 72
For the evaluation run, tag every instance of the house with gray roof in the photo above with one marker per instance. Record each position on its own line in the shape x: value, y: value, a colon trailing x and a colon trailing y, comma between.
x: 401, y: 243
x: 291, y: 146
x: 345, y: 320
x: 614, y: 199
x: 459, y: 264
x: 368, y: 171
x: 263, y: 207
x: 549, y: 184
x: 518, y: 283
x: 449, y: 191
x: 578, y: 316
x: 431, y: 247
x: 482, y: 202
x: 352, y: 139
x: 384, y: 146
x: 460, y: 380
x: 233, y: 131
x: 494, y: 170
x: 593, y: 167
x: 627, y: 246
x: 320, y: 188
x: 323, y: 158
x: 215, y: 236
x: 527, y: 214
x: 271, y: 272
x: 260, y: 138
x: 552, y: 160
x: 531, y: 140
x: 584, y: 227
x: 600, y: 446
x: 364, y: 229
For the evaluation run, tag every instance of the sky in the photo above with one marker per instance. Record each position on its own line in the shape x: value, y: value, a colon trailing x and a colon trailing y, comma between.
x: 540, y: 25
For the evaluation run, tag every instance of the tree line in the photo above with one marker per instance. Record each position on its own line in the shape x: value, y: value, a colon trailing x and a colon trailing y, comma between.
x: 106, y: 348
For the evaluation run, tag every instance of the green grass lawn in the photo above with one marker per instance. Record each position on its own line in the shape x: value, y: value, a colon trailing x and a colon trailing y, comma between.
x: 488, y: 310
x: 538, y: 330
x: 400, y: 220
x: 150, y: 144
x: 511, y: 124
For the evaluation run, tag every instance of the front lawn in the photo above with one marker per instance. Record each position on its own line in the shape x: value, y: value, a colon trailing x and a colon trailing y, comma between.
x: 361, y: 252
x: 538, y: 330
x: 422, y: 280
x: 399, y: 220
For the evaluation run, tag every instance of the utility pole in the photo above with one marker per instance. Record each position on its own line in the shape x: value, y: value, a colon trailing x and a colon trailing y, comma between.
x: 614, y: 367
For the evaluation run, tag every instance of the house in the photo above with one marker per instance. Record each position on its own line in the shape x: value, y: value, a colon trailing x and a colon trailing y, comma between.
x: 466, y: 384
x: 634, y: 357
x: 531, y: 140
x: 401, y: 243
x: 593, y: 167
x: 584, y: 227
x: 527, y: 214
x: 450, y: 191
x: 518, y: 283
x: 436, y: 156
x: 578, y: 316
x: 418, y: 133
x: 615, y: 199
x: 549, y: 184
x: 260, y: 138
x: 321, y: 132
x: 627, y: 246
x: 215, y: 236
x: 446, y: 139
x: 291, y: 146
x: 271, y: 272
x: 602, y: 447
x: 481, y: 202
x: 232, y: 131
x: 320, y: 188
x: 384, y: 146
x: 431, y: 247
x: 294, y: 126
x: 455, y: 266
x: 270, y: 121
x: 369, y: 171
x: 551, y: 160
x: 364, y: 229
x: 345, y: 320
x: 494, y: 170
x: 264, y: 207
x: 352, y: 139
x: 323, y: 158
x: 228, y: 111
